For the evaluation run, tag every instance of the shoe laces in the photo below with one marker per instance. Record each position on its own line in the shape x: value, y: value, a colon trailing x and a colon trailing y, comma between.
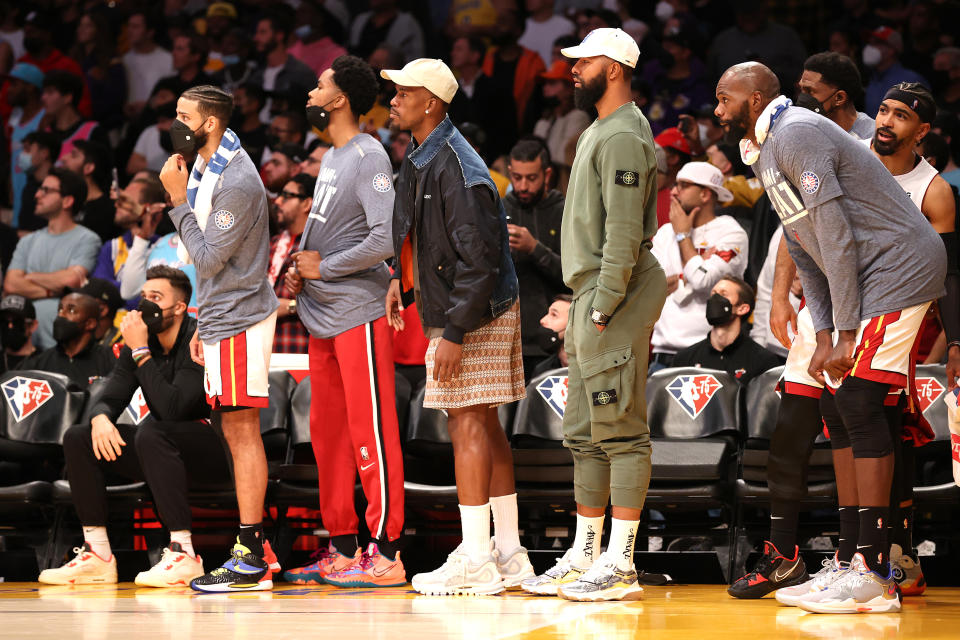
x: 167, y: 555
x: 595, y: 573
x: 79, y: 553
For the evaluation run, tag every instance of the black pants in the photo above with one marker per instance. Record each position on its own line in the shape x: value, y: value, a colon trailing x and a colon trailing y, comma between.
x: 169, y: 456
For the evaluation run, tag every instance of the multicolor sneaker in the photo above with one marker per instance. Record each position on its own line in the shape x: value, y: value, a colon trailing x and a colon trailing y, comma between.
x: 547, y: 583
x: 832, y: 571
x: 245, y: 571
x: 270, y: 557
x: 603, y: 581
x: 327, y: 560
x: 175, y: 569
x: 860, y: 590
x: 371, y: 569
x: 459, y: 577
x: 515, y: 568
x: 86, y: 568
x: 773, y: 571
x: 907, y: 572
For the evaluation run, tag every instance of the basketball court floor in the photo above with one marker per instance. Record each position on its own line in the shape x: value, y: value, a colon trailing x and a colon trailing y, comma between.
x: 38, y: 612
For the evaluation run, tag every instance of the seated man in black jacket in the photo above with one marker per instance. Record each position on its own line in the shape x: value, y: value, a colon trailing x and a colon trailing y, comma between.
x: 728, y: 346
x: 176, y: 447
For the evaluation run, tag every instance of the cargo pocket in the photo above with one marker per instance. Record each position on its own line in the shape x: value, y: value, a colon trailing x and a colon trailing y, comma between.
x: 609, y: 380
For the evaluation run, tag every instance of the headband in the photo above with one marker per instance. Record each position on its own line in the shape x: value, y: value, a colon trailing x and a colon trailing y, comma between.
x: 919, y: 104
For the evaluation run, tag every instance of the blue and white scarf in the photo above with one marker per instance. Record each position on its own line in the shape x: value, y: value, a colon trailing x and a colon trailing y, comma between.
x: 203, y: 179
x: 750, y: 152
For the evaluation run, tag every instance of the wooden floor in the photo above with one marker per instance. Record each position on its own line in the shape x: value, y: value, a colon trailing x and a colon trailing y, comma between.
x: 37, y: 612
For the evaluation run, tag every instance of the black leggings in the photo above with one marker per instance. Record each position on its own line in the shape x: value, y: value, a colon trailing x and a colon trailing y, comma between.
x: 798, y: 424
x: 167, y: 455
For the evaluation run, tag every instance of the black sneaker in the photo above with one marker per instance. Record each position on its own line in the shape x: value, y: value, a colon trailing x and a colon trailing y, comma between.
x: 243, y: 572
x: 772, y: 572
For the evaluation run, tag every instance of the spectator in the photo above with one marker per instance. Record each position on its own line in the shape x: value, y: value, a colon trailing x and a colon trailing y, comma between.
x: 543, y: 27
x: 56, y: 257
x: 882, y: 57
x: 513, y: 68
x: 145, y: 62
x: 475, y: 18
x: 238, y: 68
x: 23, y: 93
x: 728, y: 347
x: 831, y: 86
x: 95, y: 50
x: 761, y: 332
x: 94, y: 162
x: 922, y: 37
x: 677, y: 152
x: 284, y: 163
x: 38, y: 154
x: 18, y: 321
x: 11, y: 28
x: 680, y: 81
x: 563, y: 122
x: 534, y: 212
x: 189, y: 55
x: 75, y: 352
x: 153, y: 145
x: 845, y: 43
x: 293, y: 207
x: 137, y: 212
x: 38, y: 41
x: 745, y: 191
x: 554, y: 324
x: 477, y: 137
x: 383, y: 23
x: 311, y: 164
x: 60, y: 97
x: 478, y: 91
x: 249, y: 102
x: 755, y: 37
x: 696, y: 250
x: 144, y: 256
x: 946, y: 78
x: 109, y: 302
x: 279, y: 71
x: 935, y: 150
x: 314, y: 45
x: 221, y: 17
x: 399, y: 143
x: 289, y: 127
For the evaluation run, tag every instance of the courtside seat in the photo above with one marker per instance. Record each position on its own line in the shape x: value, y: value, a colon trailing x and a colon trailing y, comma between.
x: 298, y: 473
x: 274, y: 419
x: 934, y: 486
x: 538, y: 453
x: 39, y: 407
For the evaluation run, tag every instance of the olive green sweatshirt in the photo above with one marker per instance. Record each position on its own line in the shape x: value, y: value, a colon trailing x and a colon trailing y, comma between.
x: 610, y: 213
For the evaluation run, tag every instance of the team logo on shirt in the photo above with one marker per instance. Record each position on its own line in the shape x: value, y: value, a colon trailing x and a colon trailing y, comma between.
x: 223, y: 219
x: 929, y: 391
x: 138, y: 409
x: 381, y: 182
x: 553, y: 390
x: 809, y: 181
x: 26, y: 395
x: 694, y: 392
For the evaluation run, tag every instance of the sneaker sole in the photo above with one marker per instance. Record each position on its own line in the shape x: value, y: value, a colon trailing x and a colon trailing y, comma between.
x: 516, y: 583
x: 360, y: 584
x: 877, y: 605
x: 771, y: 588
x: 80, y: 580
x: 490, y: 590
x: 158, y: 584
x: 633, y: 592
x: 542, y: 589
x: 264, y: 585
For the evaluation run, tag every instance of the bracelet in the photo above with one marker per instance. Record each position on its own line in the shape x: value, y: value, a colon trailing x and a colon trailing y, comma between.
x: 140, y: 351
x: 953, y: 343
x: 142, y: 359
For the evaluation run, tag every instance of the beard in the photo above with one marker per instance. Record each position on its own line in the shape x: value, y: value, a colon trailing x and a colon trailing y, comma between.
x: 589, y: 92
x: 736, y: 128
x: 531, y: 198
x: 886, y: 148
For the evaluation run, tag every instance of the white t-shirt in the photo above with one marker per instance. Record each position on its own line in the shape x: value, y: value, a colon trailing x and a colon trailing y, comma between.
x: 558, y: 133
x: 144, y: 70
x: 539, y: 36
x: 761, y: 333
x: 15, y: 40
x: 683, y: 321
x: 148, y: 146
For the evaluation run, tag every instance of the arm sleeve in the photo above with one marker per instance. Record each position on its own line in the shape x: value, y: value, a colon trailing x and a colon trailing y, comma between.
x: 134, y: 273
x: 175, y: 400
x: 377, y: 206
x: 120, y: 386
x: 85, y: 252
x: 548, y: 263
x: 623, y: 226
x: 211, y: 249
x: 19, y: 260
x: 816, y: 290
x: 730, y: 259
x: 104, y: 267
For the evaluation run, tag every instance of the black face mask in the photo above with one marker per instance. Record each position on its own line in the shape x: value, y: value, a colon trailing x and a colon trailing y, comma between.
x: 319, y: 117
x: 152, y: 315
x: 166, y: 142
x: 551, y: 102
x: 807, y: 101
x: 184, y: 139
x: 273, y: 141
x: 65, y: 330
x: 549, y: 341
x: 14, y: 337
x: 719, y: 310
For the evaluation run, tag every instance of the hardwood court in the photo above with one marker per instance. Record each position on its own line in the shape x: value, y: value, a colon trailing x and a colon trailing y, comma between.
x: 37, y: 612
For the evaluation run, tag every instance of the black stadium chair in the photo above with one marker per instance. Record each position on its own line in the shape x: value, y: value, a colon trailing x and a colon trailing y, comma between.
x: 428, y: 458
x: 539, y: 456
x: 935, y: 488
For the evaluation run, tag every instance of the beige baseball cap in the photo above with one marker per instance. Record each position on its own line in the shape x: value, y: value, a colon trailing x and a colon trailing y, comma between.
x: 706, y: 175
x: 616, y: 44
x: 429, y: 73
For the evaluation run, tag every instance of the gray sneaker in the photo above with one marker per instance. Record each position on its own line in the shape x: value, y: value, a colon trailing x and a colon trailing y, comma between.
x: 604, y: 581
x: 859, y: 590
x: 832, y: 571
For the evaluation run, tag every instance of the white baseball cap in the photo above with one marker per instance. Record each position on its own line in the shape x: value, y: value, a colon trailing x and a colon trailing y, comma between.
x: 616, y: 44
x: 429, y: 73
x: 705, y: 174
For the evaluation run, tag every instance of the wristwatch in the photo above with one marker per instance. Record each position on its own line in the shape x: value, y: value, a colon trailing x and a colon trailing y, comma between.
x: 292, y: 307
x: 598, y: 317
x: 683, y: 235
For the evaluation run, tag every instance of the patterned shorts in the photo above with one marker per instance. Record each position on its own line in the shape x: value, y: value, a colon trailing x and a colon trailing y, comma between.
x: 491, y: 367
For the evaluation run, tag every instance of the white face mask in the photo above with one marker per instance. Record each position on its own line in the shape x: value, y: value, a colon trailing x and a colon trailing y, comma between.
x: 872, y: 55
x: 664, y: 11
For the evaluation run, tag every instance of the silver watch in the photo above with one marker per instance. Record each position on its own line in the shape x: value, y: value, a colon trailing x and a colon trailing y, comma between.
x: 683, y: 235
x: 598, y: 317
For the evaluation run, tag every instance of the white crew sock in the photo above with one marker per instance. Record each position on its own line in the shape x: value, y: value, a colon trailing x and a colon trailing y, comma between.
x: 99, y: 543
x: 185, y: 538
x: 586, y: 542
x: 506, y: 531
x: 623, y: 535
x: 475, y: 521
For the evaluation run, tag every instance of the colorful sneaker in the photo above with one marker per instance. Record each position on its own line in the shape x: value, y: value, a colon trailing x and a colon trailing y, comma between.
x: 832, y: 571
x: 270, y: 558
x: 371, y: 569
x: 175, y: 569
x: 860, y: 590
x: 327, y: 560
x: 86, y: 568
x: 773, y: 571
x: 603, y: 581
x: 243, y: 572
x: 515, y: 568
x: 546, y: 584
x: 907, y: 572
x: 458, y: 577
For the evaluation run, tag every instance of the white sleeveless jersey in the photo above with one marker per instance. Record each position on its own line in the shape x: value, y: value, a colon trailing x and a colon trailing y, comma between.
x: 916, y: 181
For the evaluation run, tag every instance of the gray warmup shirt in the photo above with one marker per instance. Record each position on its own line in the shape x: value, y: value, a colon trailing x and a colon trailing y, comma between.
x: 350, y: 226
x: 861, y: 246
x: 232, y: 254
x: 863, y: 127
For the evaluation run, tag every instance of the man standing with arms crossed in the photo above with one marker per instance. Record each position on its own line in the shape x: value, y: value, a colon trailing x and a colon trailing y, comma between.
x: 618, y: 291
x: 220, y: 211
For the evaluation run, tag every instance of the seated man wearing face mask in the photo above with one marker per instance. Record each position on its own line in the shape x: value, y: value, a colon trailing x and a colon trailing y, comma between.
x: 178, y: 447
x: 76, y: 354
x: 18, y: 321
x: 728, y: 347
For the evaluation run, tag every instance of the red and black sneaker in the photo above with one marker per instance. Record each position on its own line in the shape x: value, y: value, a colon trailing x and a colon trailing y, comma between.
x: 772, y: 572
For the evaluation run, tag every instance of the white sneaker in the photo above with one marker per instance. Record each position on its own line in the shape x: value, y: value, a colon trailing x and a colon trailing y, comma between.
x: 459, y: 577
x: 832, y: 571
x: 175, y: 569
x: 86, y: 568
x: 547, y: 583
x: 515, y: 568
x: 604, y: 581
